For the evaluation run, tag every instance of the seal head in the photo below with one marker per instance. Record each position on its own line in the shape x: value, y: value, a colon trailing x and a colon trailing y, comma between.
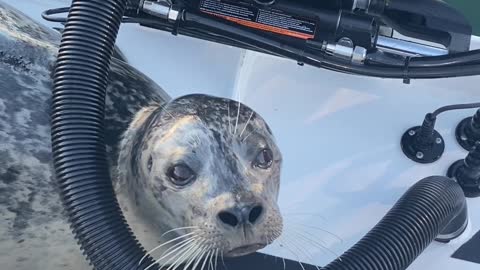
x: 204, y: 171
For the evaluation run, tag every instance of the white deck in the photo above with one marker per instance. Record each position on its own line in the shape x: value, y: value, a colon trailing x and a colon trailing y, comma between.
x: 339, y: 134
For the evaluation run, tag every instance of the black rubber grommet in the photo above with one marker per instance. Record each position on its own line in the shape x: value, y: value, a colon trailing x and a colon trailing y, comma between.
x: 465, y: 134
x: 423, y: 154
x: 471, y: 191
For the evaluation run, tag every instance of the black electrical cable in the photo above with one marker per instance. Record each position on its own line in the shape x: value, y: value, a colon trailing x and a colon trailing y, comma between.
x: 455, y: 107
x: 430, y: 118
x: 380, y: 58
x: 458, y: 59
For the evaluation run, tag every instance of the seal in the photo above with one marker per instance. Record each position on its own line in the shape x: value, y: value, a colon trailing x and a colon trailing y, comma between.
x: 197, y: 177
x: 206, y: 167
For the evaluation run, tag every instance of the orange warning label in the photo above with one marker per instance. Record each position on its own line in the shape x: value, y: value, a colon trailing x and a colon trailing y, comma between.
x: 268, y: 20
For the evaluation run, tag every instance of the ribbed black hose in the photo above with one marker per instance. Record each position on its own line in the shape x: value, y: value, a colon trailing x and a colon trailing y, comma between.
x: 420, y: 215
x: 79, y: 151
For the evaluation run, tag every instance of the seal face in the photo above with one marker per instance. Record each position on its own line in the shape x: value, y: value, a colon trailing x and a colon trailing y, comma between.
x: 204, y: 169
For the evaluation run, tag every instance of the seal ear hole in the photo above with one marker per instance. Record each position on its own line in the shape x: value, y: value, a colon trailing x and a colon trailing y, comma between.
x: 264, y: 159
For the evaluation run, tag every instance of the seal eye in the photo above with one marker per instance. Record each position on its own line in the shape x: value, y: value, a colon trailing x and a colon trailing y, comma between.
x: 180, y: 174
x: 264, y: 159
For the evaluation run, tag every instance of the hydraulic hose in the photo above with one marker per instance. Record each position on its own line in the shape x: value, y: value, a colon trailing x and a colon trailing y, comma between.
x: 82, y: 172
x: 435, y: 207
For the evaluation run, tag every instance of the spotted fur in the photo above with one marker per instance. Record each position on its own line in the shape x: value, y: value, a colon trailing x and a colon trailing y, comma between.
x: 145, y: 132
x: 34, y: 233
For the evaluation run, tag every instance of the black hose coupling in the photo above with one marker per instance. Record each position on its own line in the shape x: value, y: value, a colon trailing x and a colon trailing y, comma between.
x: 423, y: 144
x: 467, y: 172
x: 468, y: 131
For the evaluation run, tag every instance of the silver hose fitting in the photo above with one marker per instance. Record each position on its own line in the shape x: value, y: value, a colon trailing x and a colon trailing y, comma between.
x: 162, y: 9
x: 345, y: 49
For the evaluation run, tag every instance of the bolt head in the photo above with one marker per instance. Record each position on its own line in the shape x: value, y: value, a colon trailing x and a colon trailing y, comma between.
x: 438, y: 140
x: 463, y: 138
x: 411, y: 132
x: 420, y: 155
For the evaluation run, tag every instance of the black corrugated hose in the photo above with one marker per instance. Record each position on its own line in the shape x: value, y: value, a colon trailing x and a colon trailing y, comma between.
x: 433, y: 206
x: 428, y: 209
x: 80, y: 81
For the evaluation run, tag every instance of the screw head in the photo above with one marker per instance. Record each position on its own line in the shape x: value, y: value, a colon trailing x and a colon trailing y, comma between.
x: 438, y: 140
x: 463, y: 138
x: 420, y: 155
x: 411, y: 132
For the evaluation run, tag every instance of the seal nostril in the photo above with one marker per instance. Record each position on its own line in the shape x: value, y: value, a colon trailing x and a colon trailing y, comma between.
x: 255, y: 214
x: 228, y: 218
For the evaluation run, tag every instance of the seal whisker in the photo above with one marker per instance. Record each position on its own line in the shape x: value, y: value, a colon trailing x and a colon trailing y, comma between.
x: 185, y: 253
x: 248, y: 135
x: 166, y: 243
x: 179, y: 229
x: 246, y: 125
x: 216, y: 258
x: 163, y: 257
x: 198, y: 250
x: 223, y: 261
x: 205, y: 259
x: 310, y: 238
x: 178, y: 247
x: 293, y: 253
x: 210, y: 262
x: 285, y: 246
x: 287, y: 214
x: 294, y: 242
x: 200, y: 256
x: 271, y: 239
x: 178, y: 250
x: 319, y: 229
x: 238, y: 114
x: 229, y: 121
x: 178, y: 254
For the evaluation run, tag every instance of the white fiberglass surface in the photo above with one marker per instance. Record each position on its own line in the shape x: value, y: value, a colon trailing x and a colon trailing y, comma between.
x: 339, y: 134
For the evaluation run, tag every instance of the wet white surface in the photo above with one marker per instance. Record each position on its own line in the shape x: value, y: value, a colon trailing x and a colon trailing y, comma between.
x: 340, y: 134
